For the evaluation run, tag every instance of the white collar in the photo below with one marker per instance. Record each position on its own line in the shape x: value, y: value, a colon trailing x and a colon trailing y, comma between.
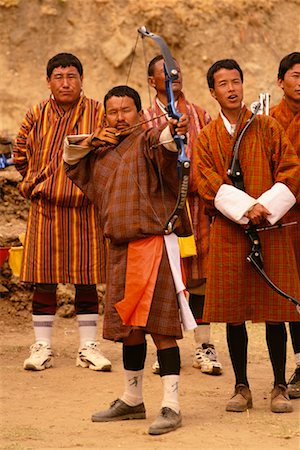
x: 163, y: 107
x: 230, y: 127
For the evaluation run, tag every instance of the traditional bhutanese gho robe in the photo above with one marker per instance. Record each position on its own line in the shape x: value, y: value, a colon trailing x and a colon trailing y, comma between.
x: 125, y: 183
x: 291, y: 123
x: 63, y: 243
x: 235, y: 292
x: 195, y: 266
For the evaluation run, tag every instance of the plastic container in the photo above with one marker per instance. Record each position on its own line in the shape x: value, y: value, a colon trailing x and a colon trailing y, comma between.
x: 15, y: 259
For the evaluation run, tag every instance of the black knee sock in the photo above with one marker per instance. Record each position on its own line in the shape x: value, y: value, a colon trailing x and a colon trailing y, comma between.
x: 134, y: 356
x: 276, y: 340
x: 169, y: 361
x: 237, y: 340
x: 295, y: 336
x: 196, y: 303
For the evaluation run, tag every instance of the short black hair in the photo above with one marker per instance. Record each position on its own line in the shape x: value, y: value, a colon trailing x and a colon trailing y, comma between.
x: 152, y: 64
x: 64, y: 60
x: 228, y: 64
x: 124, y: 91
x: 287, y: 63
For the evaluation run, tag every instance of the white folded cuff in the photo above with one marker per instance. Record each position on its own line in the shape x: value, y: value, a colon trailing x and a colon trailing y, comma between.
x: 278, y: 200
x: 166, y: 139
x: 73, y: 152
x: 234, y: 203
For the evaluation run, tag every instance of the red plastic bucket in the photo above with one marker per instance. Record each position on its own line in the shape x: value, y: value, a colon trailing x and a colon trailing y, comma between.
x: 4, y: 252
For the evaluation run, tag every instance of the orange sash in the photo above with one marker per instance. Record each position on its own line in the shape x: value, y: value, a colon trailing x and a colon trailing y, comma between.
x: 143, y: 261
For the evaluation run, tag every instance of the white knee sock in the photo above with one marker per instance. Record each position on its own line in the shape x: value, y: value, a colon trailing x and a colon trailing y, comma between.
x: 43, y: 327
x: 87, y: 327
x: 133, y: 394
x: 202, y: 334
x: 171, y: 391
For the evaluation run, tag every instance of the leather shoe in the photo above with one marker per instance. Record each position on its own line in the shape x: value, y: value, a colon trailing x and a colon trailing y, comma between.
x: 280, y: 400
x: 119, y: 410
x: 241, y: 399
x: 168, y: 420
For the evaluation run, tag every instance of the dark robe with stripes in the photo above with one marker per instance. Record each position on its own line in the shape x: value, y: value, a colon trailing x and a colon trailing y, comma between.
x: 134, y: 187
x: 63, y: 242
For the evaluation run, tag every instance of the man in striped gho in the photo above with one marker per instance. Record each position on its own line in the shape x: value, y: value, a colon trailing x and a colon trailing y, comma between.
x: 62, y: 242
x: 269, y: 185
x: 195, y: 265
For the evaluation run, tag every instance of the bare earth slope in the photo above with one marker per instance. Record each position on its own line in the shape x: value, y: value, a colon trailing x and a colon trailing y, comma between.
x: 102, y: 33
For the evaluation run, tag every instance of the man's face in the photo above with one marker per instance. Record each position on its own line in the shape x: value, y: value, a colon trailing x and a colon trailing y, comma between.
x: 65, y: 84
x: 228, y: 90
x: 157, y: 80
x: 121, y: 113
x: 291, y: 83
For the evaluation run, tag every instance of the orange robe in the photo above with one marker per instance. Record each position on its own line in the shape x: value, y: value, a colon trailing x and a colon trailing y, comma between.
x: 291, y: 123
x: 234, y: 291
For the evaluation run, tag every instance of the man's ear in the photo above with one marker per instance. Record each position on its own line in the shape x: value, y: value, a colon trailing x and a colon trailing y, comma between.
x: 141, y: 115
x: 48, y: 82
x: 212, y: 93
x: 280, y: 83
x: 151, y: 82
x: 105, y: 124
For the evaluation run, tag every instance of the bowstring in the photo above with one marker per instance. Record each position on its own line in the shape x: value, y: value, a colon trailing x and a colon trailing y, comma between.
x: 154, y: 117
x: 155, y: 145
x: 132, y: 59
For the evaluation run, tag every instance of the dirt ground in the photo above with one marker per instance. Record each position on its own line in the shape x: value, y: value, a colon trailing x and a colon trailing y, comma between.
x: 51, y: 409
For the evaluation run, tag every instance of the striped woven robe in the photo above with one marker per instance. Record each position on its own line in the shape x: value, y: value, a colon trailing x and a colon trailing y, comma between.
x: 235, y: 292
x: 63, y: 242
x: 291, y: 123
x: 195, y: 266
x: 125, y: 185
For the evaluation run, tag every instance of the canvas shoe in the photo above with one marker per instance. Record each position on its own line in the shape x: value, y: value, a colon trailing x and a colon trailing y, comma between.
x: 119, y: 410
x: 41, y: 357
x: 90, y: 356
x: 168, y: 420
x: 206, y: 360
x: 294, y: 384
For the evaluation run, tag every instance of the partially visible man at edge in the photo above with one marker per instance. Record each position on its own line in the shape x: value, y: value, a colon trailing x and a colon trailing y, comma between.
x: 134, y: 186
x: 271, y: 178
x: 63, y: 244
x: 205, y: 357
x: 287, y: 113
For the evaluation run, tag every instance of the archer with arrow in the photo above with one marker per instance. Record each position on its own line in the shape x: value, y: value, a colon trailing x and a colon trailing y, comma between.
x: 131, y: 175
x: 249, y: 176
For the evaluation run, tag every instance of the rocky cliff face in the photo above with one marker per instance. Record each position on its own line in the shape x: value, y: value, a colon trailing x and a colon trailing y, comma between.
x: 102, y: 33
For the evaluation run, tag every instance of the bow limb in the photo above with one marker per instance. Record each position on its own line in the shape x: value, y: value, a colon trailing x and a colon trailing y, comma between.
x: 256, y: 259
x: 183, y: 162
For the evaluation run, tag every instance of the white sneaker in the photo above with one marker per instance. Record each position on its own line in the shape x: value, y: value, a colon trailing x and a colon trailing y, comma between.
x: 90, y: 356
x: 206, y: 360
x: 41, y: 357
x: 156, y: 368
